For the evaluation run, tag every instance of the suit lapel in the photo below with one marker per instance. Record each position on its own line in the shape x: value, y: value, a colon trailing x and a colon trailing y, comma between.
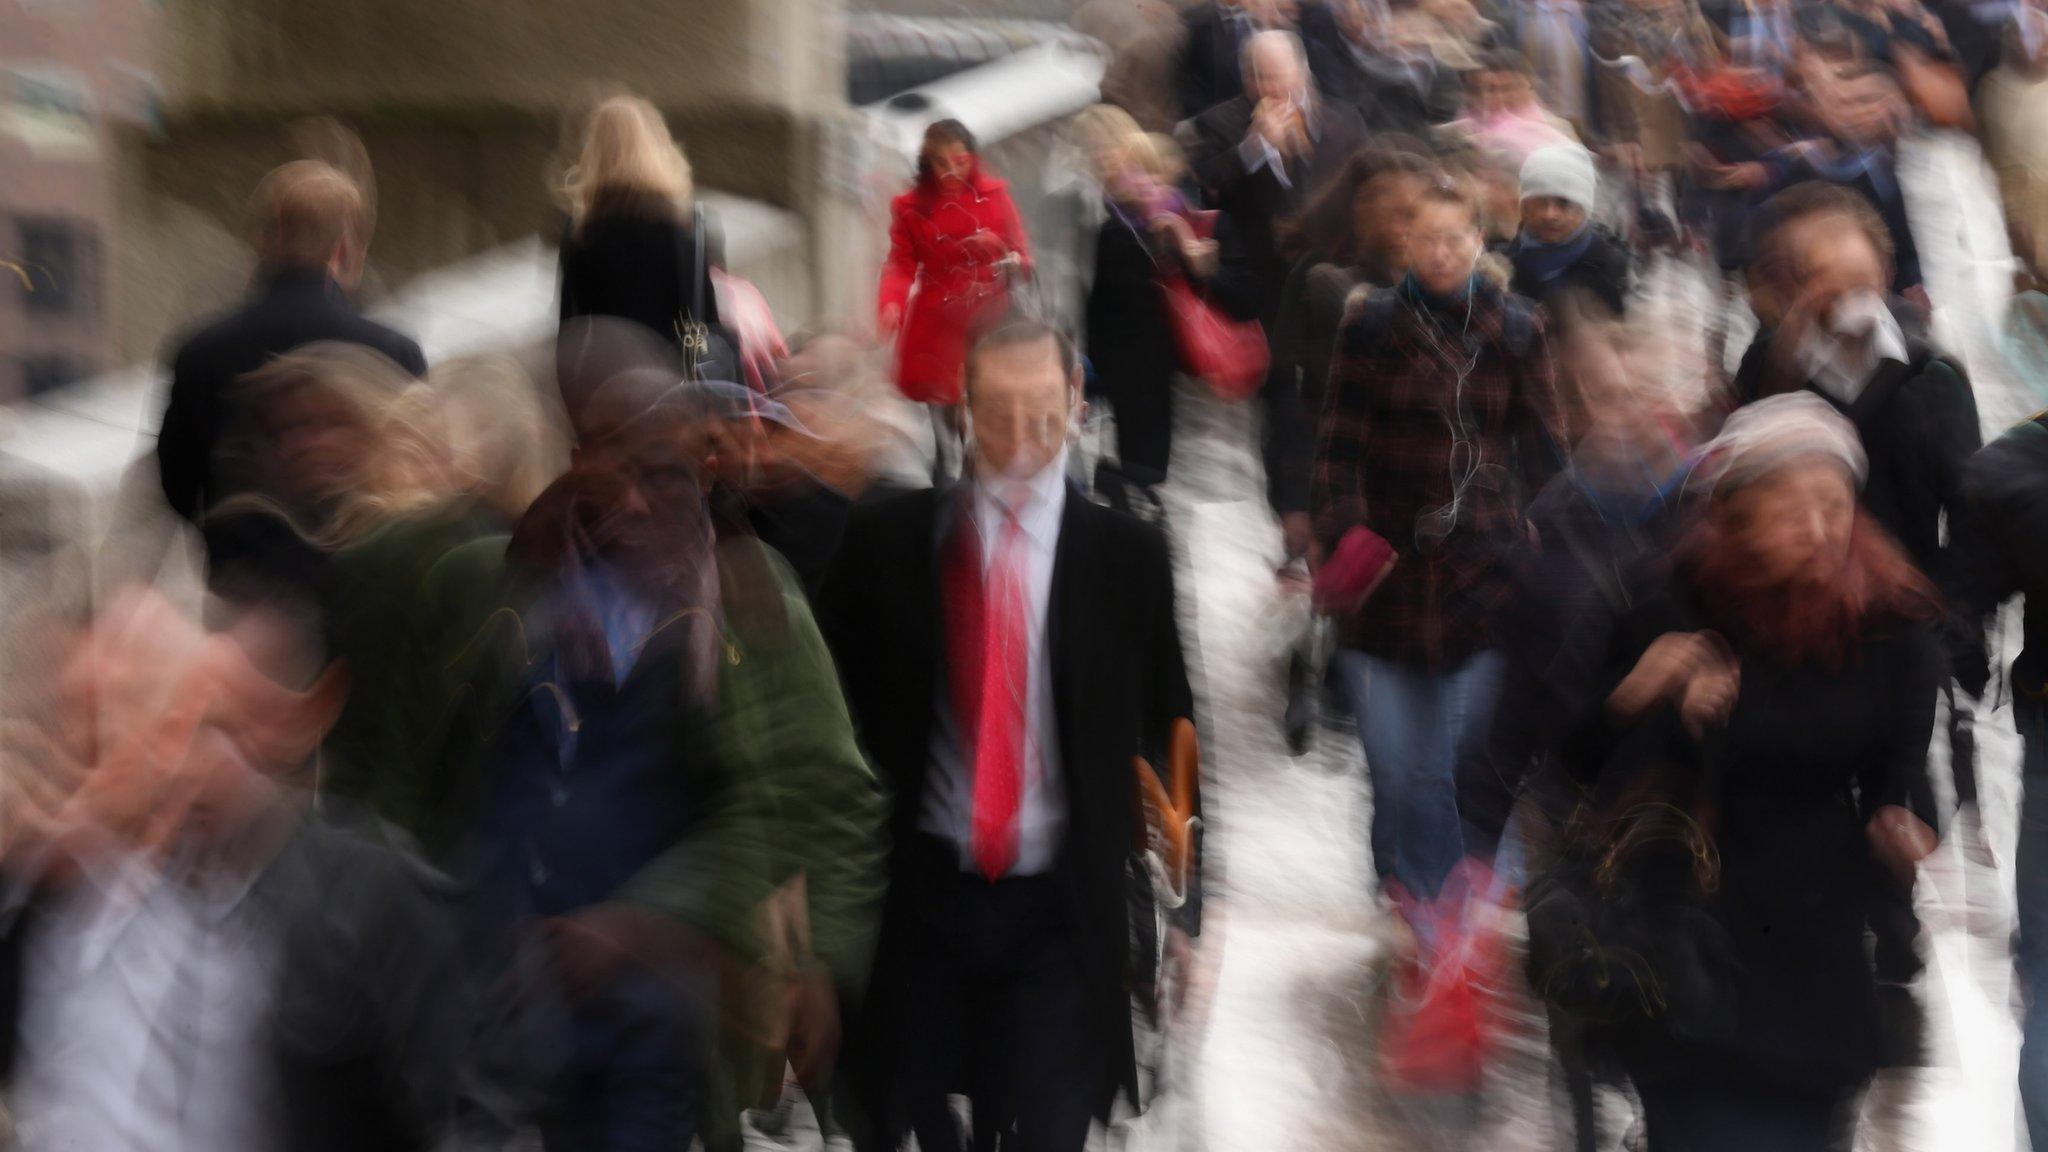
x: 1066, y: 619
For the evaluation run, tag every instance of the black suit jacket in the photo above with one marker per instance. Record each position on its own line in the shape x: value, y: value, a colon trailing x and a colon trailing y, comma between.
x: 290, y: 309
x: 1256, y: 200
x: 1210, y: 66
x: 1118, y: 682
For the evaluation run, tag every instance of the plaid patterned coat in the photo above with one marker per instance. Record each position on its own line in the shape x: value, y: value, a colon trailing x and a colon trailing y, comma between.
x: 1435, y: 435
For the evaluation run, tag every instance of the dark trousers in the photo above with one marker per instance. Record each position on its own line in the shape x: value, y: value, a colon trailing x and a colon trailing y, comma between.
x: 1002, y: 1014
x: 1144, y: 427
x: 1709, y: 1114
x: 627, y: 1078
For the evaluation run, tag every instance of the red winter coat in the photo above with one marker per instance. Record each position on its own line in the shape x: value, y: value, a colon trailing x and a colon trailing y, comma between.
x: 958, y: 283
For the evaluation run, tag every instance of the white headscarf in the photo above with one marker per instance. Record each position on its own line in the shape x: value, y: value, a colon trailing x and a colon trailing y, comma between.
x: 1763, y: 437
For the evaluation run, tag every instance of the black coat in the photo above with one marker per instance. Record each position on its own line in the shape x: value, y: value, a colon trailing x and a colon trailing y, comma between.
x: 1304, y: 343
x: 1131, y: 346
x: 635, y: 257
x: 1548, y: 737
x: 1118, y: 683
x: 1602, y: 270
x: 1998, y: 542
x: 1130, y: 339
x: 1807, y: 756
x: 289, y: 309
x: 1210, y: 69
x: 1257, y: 202
x: 368, y: 1023
x: 1388, y: 100
x: 1918, y: 424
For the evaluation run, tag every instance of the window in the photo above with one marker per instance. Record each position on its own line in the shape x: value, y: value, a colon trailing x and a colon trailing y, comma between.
x: 60, y: 267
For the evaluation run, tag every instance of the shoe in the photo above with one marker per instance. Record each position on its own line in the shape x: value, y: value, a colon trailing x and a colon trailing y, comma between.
x: 774, y: 1123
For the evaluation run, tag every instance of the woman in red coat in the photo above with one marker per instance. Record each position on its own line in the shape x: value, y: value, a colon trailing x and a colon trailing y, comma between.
x: 956, y: 239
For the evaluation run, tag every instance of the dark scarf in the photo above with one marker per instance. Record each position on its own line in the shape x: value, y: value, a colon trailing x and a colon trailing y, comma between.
x: 1412, y: 291
x: 1546, y: 262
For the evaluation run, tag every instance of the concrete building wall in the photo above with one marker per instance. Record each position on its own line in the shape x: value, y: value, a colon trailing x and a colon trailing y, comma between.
x: 461, y: 107
x: 74, y: 74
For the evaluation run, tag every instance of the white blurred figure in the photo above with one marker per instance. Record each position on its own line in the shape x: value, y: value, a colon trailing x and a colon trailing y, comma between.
x: 193, y: 963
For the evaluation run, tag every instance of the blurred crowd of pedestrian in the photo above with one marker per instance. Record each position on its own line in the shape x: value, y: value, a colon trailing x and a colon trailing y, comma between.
x: 620, y: 748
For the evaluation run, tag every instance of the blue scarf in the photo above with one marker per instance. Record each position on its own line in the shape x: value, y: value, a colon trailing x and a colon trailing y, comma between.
x: 1412, y: 291
x: 1546, y: 262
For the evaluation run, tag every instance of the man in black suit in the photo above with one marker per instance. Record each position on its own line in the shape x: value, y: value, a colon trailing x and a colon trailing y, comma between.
x: 310, y: 235
x: 1261, y: 157
x: 1007, y: 648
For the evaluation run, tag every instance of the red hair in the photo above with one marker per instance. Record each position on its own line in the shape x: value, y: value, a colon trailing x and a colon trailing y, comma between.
x: 1809, y: 624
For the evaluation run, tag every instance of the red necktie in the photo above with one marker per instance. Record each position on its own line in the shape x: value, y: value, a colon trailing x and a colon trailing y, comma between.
x: 988, y: 648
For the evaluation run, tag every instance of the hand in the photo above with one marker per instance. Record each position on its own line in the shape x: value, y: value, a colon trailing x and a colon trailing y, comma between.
x: 813, y: 1025
x: 985, y: 245
x: 1745, y: 177
x: 1275, y: 122
x: 1662, y: 673
x: 1708, y: 699
x: 1298, y: 534
x: 891, y: 320
x: 588, y: 950
x: 1899, y: 840
x: 1173, y: 226
x: 1177, y: 969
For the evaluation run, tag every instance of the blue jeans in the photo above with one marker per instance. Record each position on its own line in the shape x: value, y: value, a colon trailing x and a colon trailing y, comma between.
x: 2030, y: 716
x: 1413, y: 724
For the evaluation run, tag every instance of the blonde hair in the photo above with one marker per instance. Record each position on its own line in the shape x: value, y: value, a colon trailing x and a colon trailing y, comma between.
x: 409, y: 470
x: 1160, y: 156
x: 302, y: 211
x: 503, y: 445
x: 1102, y: 127
x: 627, y: 145
x: 1107, y: 131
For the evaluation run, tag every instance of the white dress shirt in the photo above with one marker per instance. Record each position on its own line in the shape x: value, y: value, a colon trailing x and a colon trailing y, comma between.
x: 948, y: 813
x: 142, y: 1026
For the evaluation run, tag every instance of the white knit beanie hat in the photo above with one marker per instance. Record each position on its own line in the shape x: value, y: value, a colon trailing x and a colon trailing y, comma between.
x: 1561, y: 170
x: 1763, y: 437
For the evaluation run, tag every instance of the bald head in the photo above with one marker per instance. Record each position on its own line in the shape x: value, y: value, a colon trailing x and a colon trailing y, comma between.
x: 309, y: 214
x: 1275, y: 66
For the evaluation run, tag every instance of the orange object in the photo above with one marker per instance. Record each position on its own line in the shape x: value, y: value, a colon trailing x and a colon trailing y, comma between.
x: 1168, y: 808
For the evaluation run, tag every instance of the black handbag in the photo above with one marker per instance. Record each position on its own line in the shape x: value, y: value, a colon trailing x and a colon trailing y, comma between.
x: 1622, y: 933
x: 709, y: 351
